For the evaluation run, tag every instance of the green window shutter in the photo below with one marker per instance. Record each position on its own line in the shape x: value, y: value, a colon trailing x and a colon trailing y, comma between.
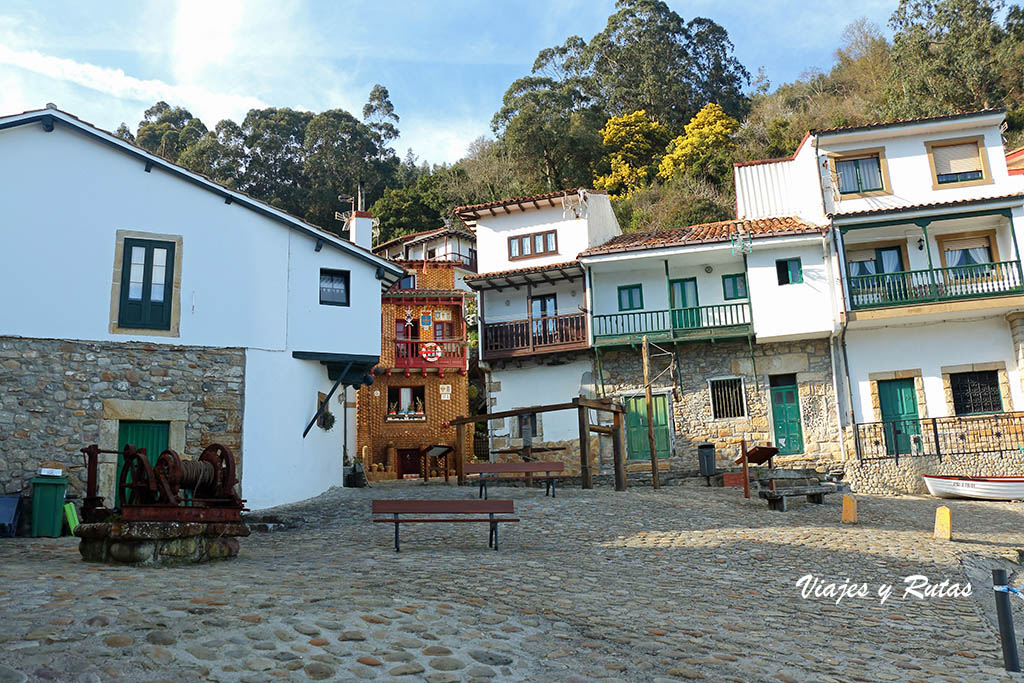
x: 147, y: 284
x: 789, y: 271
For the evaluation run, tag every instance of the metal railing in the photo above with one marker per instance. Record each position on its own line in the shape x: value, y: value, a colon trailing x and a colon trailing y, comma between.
x: 674, y: 320
x: 408, y: 353
x: 938, y: 284
x: 468, y: 261
x: 939, y: 436
x: 536, y: 334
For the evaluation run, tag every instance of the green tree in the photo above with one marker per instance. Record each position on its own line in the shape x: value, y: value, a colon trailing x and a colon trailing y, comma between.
x: 166, y: 130
x: 379, y: 114
x: 124, y: 133
x: 404, y: 210
x: 635, y: 144
x: 340, y: 153
x: 218, y: 155
x: 704, y: 150
x: 947, y: 56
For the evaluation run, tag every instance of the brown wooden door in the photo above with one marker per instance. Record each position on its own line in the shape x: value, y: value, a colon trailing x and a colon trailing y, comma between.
x: 408, y: 461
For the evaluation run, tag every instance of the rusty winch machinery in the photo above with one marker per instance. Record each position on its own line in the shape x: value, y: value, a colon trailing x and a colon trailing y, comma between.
x: 172, y: 489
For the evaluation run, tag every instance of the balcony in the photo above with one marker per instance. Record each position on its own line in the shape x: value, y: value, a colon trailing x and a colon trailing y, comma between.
x: 939, y: 284
x: 468, y: 262
x: 680, y: 324
x: 540, y: 335
x: 939, y: 436
x: 419, y: 354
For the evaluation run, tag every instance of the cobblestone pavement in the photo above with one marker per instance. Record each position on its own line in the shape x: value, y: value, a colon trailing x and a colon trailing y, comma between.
x: 682, y: 583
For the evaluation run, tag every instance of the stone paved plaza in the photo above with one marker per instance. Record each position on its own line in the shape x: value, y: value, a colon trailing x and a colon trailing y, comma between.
x: 683, y: 583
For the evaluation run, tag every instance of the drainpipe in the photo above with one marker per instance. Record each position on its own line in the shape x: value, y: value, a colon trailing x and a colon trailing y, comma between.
x: 842, y: 340
x: 826, y: 256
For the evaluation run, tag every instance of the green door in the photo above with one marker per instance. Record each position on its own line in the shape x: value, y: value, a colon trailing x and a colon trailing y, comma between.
x: 153, y: 436
x: 684, y: 303
x: 897, y: 399
x: 789, y: 436
x: 637, y: 445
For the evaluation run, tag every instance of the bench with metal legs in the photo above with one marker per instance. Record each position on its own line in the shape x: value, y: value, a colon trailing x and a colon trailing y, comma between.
x: 445, y: 507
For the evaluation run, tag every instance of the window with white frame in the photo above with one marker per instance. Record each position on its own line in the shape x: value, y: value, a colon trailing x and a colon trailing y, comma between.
x: 727, y: 399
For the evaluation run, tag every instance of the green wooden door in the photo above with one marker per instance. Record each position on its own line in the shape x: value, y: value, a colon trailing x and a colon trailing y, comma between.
x: 684, y: 303
x: 897, y: 399
x: 789, y: 435
x: 637, y: 445
x: 153, y: 436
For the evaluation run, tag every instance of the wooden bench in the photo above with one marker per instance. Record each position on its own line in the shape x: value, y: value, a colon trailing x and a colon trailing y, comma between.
x: 777, y: 497
x: 527, y: 468
x: 445, y: 507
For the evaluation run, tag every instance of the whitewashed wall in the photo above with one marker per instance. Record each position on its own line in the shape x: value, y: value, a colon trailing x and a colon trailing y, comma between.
x: 927, y: 348
x: 280, y: 399
x: 510, y: 304
x: 542, y: 384
x: 790, y: 311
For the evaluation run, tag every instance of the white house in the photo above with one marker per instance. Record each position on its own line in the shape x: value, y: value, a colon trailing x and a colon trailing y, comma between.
x: 532, y: 304
x: 445, y: 244
x: 925, y: 224
x: 144, y: 303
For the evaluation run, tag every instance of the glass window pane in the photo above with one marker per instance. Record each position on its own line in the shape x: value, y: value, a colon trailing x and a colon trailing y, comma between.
x: 157, y: 292
x: 538, y: 244
x: 870, y: 174
x: 550, y: 241
x: 137, y: 274
x: 525, y: 242
x: 741, y: 286
x: 847, y: 172
x: 513, y: 248
x: 159, y: 274
x: 159, y: 257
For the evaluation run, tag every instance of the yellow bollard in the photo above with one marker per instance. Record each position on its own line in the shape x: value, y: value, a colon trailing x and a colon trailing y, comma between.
x: 849, y: 510
x: 943, y: 524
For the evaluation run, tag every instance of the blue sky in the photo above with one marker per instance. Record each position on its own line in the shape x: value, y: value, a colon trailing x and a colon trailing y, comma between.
x: 446, y: 63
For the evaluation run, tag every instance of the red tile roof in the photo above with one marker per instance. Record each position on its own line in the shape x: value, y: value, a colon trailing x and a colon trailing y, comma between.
x: 929, y: 205
x: 706, y: 233
x: 471, y: 212
x: 907, y: 122
x: 523, y: 271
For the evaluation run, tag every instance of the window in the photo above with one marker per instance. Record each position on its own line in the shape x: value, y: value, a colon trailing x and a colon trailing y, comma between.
x: 535, y: 244
x: 867, y: 261
x: 431, y: 253
x: 976, y: 392
x: 966, y: 251
x: 333, y: 287
x: 958, y: 163
x: 406, y: 404
x: 527, y: 424
x: 147, y: 284
x: 631, y: 298
x: 727, y: 398
x: 734, y: 286
x: 859, y: 175
x: 790, y: 271
x: 444, y: 331
x: 407, y: 282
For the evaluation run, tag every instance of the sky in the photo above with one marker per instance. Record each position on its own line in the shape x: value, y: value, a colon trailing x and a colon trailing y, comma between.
x: 446, y: 63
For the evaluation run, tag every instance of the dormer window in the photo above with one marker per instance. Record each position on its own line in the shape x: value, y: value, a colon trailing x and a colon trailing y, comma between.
x: 532, y: 245
x: 860, y: 173
x: 960, y: 162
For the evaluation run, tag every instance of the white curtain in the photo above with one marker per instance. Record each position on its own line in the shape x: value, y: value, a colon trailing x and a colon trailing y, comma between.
x: 979, y: 255
x: 847, y: 172
x: 863, y: 267
x: 870, y: 174
x: 890, y: 261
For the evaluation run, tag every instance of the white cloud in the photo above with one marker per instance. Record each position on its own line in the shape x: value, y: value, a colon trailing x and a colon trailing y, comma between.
x: 437, y: 141
x: 205, y: 103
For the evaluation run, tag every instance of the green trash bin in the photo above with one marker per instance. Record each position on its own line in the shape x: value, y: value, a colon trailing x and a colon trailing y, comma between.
x: 48, y: 505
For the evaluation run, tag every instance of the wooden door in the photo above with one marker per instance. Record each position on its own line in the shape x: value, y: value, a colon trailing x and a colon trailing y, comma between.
x: 153, y: 436
x: 637, y: 444
x: 897, y: 399
x: 789, y: 435
x: 543, y: 310
x: 408, y: 461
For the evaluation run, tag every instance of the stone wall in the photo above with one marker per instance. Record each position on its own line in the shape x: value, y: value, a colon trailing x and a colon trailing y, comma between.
x: 57, y: 396
x: 683, y: 374
x: 891, y: 477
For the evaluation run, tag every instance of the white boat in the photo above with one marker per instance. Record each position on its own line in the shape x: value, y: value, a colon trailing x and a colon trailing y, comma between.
x: 985, y: 488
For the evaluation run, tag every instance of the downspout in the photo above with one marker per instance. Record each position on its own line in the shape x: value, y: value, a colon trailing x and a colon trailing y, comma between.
x: 832, y: 344
x: 750, y: 337
x: 842, y: 341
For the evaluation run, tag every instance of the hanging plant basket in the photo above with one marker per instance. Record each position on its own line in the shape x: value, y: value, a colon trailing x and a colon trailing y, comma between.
x: 327, y: 421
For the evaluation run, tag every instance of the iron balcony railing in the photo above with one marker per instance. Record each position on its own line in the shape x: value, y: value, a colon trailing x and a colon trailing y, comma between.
x: 539, y: 334
x: 423, y: 353
x: 939, y: 436
x: 679, y: 322
x: 937, y: 284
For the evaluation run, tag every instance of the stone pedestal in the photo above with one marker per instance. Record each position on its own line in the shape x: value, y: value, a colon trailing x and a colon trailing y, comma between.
x: 160, y: 543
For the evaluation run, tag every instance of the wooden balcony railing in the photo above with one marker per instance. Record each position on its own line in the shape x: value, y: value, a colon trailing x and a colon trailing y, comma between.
x: 519, y: 337
x: 468, y: 262
x: 938, y: 284
x: 415, y: 353
x: 680, y: 323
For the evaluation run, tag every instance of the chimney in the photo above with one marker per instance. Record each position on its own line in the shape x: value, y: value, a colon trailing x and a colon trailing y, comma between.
x: 360, y: 229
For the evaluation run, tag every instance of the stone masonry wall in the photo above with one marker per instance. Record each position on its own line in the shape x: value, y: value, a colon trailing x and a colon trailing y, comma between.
x: 692, y: 418
x: 891, y: 477
x: 57, y: 396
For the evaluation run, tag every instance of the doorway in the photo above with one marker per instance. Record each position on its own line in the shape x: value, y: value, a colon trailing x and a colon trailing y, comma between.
x: 637, y: 444
x: 789, y: 435
x: 897, y: 399
x: 153, y: 436
x: 408, y: 462
x: 684, y: 303
x: 543, y: 310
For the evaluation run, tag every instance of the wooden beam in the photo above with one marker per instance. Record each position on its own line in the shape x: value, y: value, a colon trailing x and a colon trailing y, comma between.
x: 460, y: 453
x: 655, y: 479
x: 601, y: 429
x: 604, y: 404
x: 511, y: 413
x: 585, y: 474
x: 505, y: 207
x: 535, y: 204
x: 546, y: 278
x: 618, y: 460
x: 512, y: 284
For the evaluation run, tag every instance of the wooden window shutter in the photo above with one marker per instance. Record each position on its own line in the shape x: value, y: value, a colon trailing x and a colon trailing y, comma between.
x: 966, y: 243
x: 861, y: 255
x: 962, y: 158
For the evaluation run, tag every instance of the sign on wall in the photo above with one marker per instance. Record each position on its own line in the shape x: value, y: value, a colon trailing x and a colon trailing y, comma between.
x: 446, y: 392
x: 425, y: 318
x: 443, y: 315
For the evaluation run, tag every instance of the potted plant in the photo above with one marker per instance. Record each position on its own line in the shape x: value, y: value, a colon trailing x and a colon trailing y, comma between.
x: 392, y: 409
x: 419, y: 408
x: 327, y: 421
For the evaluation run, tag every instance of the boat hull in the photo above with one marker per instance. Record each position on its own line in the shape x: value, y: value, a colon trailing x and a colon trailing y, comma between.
x: 982, y: 488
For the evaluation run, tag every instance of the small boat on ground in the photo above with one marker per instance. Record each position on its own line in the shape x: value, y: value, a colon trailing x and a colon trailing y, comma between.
x: 984, y: 488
